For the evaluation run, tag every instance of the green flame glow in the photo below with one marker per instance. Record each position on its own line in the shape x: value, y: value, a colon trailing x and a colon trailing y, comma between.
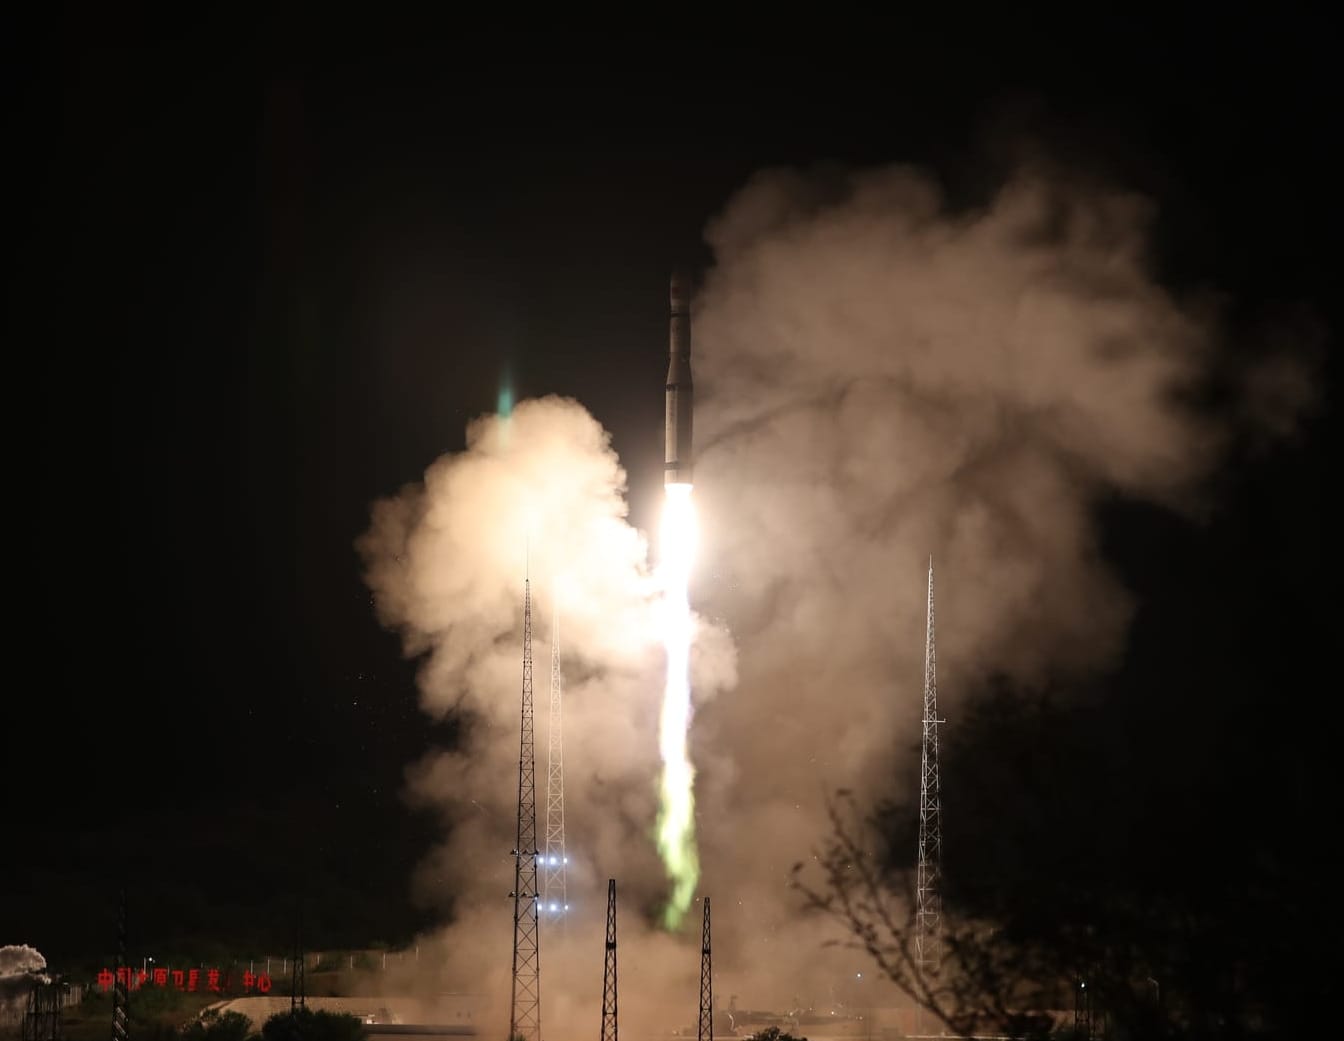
x: 676, y: 814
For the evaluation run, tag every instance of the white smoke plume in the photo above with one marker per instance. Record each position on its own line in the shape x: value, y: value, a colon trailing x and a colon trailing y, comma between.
x: 20, y: 967
x: 539, y: 492
x: 881, y: 380
x: 16, y: 959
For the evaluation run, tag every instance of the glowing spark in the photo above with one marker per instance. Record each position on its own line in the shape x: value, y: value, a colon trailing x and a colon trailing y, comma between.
x: 676, y: 814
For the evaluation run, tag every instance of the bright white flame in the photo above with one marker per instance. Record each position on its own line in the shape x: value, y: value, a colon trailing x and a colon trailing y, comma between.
x: 676, y: 820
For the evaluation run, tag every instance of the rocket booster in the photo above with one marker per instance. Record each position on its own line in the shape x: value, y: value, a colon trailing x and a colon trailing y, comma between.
x: 677, y: 459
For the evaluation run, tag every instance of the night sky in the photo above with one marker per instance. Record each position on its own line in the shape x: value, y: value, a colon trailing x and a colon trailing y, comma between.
x: 263, y: 281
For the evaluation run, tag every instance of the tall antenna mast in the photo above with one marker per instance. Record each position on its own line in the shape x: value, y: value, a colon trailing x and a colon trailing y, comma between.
x: 609, y: 968
x: 928, y: 935
x: 705, y: 1032
x: 525, y: 1006
x: 554, y: 900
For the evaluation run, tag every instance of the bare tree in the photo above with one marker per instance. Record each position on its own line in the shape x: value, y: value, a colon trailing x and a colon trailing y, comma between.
x: 981, y: 980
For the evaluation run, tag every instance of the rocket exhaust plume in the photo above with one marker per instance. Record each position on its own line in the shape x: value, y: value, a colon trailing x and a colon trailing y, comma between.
x: 676, y: 812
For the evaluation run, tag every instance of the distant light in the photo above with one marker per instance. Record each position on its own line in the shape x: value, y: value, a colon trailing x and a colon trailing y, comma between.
x: 553, y: 907
x: 566, y: 860
x: 858, y: 975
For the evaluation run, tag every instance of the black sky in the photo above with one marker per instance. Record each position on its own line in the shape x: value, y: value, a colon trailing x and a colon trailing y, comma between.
x: 266, y: 280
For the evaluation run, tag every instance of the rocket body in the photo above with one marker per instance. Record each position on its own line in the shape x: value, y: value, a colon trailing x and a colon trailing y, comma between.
x: 678, y: 458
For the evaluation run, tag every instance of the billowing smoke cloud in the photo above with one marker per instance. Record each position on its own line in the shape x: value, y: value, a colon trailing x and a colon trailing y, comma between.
x: 881, y: 380
x: 884, y: 380
x: 539, y: 492
x: 20, y: 967
x: 18, y: 958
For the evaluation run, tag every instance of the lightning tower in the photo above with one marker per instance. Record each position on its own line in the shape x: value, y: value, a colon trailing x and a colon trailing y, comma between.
x: 928, y: 933
x: 298, y: 986
x: 42, y: 1022
x: 554, y: 899
x: 525, y: 1006
x: 609, y: 968
x: 705, y: 1032
x: 121, y: 984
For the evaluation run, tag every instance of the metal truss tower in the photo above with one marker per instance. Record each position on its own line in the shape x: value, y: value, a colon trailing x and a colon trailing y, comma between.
x: 928, y: 933
x: 1089, y: 1022
x: 121, y: 983
x: 298, y: 998
x: 42, y: 1022
x: 554, y: 899
x: 705, y: 1032
x: 525, y: 1006
x: 609, y: 968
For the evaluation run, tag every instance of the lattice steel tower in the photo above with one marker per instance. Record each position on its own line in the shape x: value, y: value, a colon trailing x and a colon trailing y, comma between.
x: 554, y: 899
x: 298, y: 985
x: 525, y: 1006
x: 609, y: 968
x: 705, y: 1032
x: 121, y: 984
x: 42, y: 1021
x: 928, y: 934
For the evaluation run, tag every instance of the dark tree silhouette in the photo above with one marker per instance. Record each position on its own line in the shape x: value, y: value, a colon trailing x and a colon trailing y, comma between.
x: 1090, y: 863
x: 307, y: 1025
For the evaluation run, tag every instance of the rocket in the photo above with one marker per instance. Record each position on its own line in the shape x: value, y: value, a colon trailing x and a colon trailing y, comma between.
x: 677, y: 459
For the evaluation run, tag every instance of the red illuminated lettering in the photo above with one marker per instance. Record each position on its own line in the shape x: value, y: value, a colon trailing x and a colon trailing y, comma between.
x: 213, y: 977
x: 124, y: 975
x: 105, y: 979
x: 160, y: 977
x: 248, y: 980
x: 178, y: 976
x: 264, y: 983
x: 140, y: 978
x: 193, y: 979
